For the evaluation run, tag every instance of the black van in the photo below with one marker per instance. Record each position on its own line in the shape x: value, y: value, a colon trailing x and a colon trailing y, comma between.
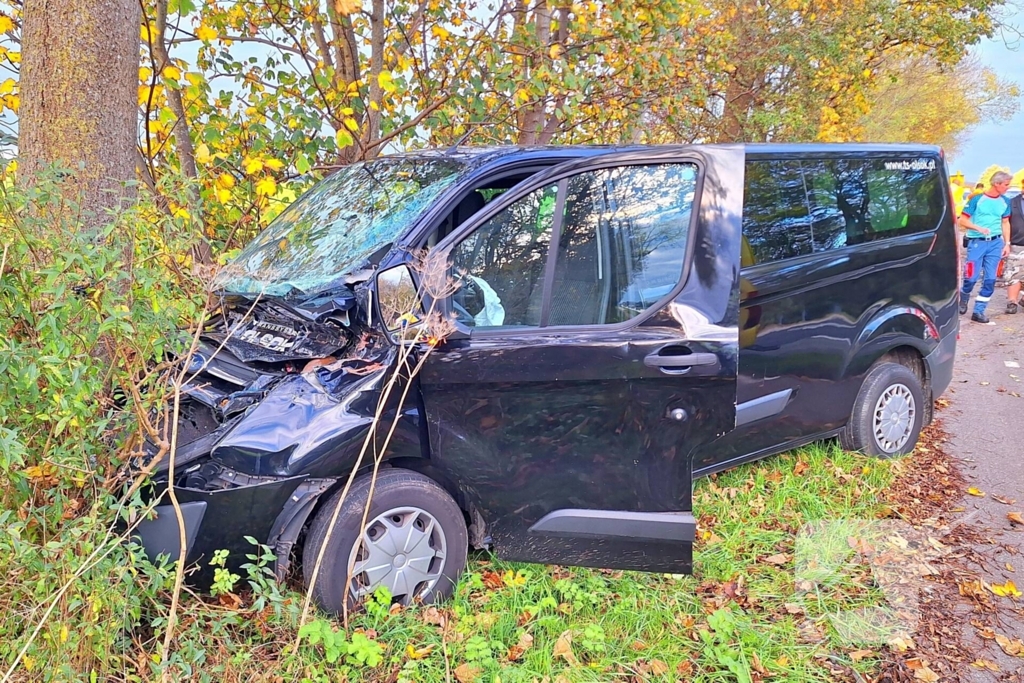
x: 613, y: 322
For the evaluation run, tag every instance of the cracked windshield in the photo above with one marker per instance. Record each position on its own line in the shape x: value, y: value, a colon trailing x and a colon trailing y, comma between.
x: 337, y: 225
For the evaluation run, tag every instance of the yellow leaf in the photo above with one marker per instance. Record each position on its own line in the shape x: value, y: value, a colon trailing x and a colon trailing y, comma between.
x: 194, y: 78
x: 144, y: 33
x: 226, y: 181
x: 223, y: 196
x: 351, y: 124
x: 28, y: 662
x: 976, y: 492
x: 555, y: 52
x: 266, y: 187
x: 346, y: 6
x: 203, y: 154
x: 171, y: 72
x: 7, y: 86
x: 14, y: 57
x: 6, y: 24
x: 386, y: 81
x: 1006, y: 590
x: 206, y: 33
x: 440, y: 33
x: 373, y: 106
x: 343, y: 138
x: 180, y: 212
x: 418, y: 653
x: 252, y: 166
x: 64, y: 633
x: 274, y: 164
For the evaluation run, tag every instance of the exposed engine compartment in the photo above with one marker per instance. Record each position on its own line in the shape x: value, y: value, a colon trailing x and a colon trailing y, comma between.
x: 250, y: 348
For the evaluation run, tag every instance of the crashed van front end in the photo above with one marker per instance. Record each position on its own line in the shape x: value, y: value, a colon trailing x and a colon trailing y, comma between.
x: 275, y: 406
x: 284, y: 383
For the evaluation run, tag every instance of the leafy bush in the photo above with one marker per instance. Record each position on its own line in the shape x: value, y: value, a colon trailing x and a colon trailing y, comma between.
x: 87, y: 314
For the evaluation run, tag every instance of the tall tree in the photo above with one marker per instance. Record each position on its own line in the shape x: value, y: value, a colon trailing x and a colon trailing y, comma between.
x: 912, y: 102
x: 79, y: 82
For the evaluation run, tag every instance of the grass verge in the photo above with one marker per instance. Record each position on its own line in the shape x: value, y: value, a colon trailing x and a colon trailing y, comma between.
x: 741, y: 617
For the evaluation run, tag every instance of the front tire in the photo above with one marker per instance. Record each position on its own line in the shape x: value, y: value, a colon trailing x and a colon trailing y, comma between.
x: 888, y: 413
x: 414, y: 542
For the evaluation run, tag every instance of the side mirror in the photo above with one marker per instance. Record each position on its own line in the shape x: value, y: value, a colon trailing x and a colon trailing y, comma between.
x: 398, y: 299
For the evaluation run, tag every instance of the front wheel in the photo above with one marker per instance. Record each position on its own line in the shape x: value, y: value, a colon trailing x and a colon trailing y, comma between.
x: 414, y: 542
x: 888, y: 413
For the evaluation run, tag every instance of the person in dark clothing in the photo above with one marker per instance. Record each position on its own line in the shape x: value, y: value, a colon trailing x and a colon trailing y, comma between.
x: 1015, y: 259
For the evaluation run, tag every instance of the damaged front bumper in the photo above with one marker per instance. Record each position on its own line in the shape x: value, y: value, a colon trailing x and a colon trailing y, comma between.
x: 261, y: 438
x: 272, y: 511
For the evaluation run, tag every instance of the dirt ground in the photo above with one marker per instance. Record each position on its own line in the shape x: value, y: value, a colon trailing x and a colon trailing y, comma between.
x: 983, y: 424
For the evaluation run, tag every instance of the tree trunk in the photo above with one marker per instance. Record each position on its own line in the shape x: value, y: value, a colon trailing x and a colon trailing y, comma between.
x: 79, y: 89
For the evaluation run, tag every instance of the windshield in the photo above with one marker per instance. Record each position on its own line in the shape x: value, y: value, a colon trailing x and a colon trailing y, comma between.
x: 332, y: 229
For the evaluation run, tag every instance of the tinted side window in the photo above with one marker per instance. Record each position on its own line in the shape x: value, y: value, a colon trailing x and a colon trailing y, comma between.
x: 854, y: 201
x: 776, y: 224
x: 501, y: 264
x: 623, y: 242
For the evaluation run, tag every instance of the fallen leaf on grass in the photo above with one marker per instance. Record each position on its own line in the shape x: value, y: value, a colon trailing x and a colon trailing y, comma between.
x: 563, y: 648
x: 927, y: 675
x: 413, y: 652
x: 778, y: 559
x: 974, y: 491
x: 782, y: 661
x: 516, y: 652
x: 793, y: 608
x: 901, y: 644
x: 1014, y: 648
x: 985, y: 664
x: 434, y: 617
x: 467, y: 673
x: 229, y: 600
x: 800, y: 468
x: 1015, y: 518
x: 486, y: 620
x: 1006, y: 590
x: 1003, y: 500
x: 858, y: 655
x: 658, y: 667
x: 492, y: 580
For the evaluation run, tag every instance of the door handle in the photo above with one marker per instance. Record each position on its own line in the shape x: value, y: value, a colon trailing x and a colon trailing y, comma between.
x: 679, y: 360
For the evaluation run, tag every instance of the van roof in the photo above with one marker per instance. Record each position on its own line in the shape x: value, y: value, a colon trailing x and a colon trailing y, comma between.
x: 474, y: 156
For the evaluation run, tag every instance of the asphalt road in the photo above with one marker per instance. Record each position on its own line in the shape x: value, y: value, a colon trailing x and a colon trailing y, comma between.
x: 985, y: 424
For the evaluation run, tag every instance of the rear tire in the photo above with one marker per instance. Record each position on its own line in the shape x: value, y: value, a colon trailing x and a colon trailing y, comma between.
x: 888, y: 413
x: 415, y: 542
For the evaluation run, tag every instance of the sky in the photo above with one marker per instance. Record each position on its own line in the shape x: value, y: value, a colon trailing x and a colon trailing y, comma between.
x: 1002, y: 142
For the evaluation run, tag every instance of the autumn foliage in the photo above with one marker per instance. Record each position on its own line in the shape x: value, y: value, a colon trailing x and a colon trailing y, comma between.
x: 252, y: 99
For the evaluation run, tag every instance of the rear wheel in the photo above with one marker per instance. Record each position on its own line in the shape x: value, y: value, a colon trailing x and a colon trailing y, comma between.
x: 414, y: 542
x: 888, y: 413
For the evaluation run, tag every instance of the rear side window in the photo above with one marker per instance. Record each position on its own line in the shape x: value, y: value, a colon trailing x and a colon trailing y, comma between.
x: 846, y: 202
x: 776, y: 222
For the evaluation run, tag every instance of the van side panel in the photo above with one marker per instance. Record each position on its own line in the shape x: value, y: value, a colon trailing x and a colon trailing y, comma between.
x: 813, y: 325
